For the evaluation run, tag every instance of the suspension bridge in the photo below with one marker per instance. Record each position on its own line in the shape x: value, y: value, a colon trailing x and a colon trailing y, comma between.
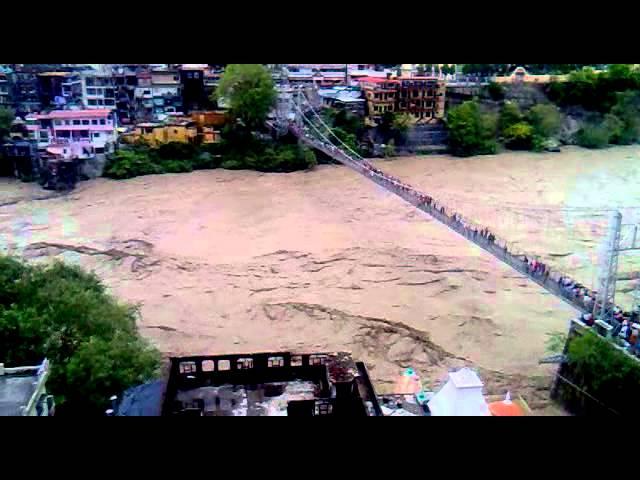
x: 297, y: 115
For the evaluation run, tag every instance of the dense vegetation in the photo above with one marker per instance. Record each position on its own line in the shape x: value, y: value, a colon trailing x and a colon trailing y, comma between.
x: 604, y: 372
x: 489, y: 69
x: 611, y: 100
x: 606, y: 104
x: 64, y: 314
x: 472, y: 131
x: 6, y: 119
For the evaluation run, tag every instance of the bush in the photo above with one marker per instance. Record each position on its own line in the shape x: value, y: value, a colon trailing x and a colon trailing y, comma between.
x: 627, y: 111
x: 496, y: 91
x: 390, y: 149
x: 471, y: 131
x: 519, y: 136
x: 64, y: 314
x: 593, y: 136
x: 510, y: 115
x: 129, y: 163
x: 310, y: 158
x: 605, y: 372
x: 545, y: 119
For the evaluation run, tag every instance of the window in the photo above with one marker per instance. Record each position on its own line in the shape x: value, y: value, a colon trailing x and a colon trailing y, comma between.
x: 103, y: 121
x: 91, y: 91
x: 190, y: 75
x: 94, y: 122
x: 175, y: 78
x: 99, y: 149
x: 92, y: 101
x: 224, y: 365
x: 58, y: 122
x: 76, y: 122
x: 187, y: 367
x: 244, y: 363
x: 63, y: 134
x: 275, y: 362
x: 44, y: 136
x: 67, y: 122
x: 86, y: 122
x: 208, y: 365
x: 296, y: 361
x: 317, y: 359
x: 96, y: 134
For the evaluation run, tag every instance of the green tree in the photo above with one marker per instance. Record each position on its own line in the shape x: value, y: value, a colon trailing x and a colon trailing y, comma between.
x: 65, y: 314
x: 7, y: 116
x: 605, y: 372
x: 471, y: 131
x: 250, y: 91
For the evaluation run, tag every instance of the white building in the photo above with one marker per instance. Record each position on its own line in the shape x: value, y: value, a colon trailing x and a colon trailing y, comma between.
x: 94, y: 130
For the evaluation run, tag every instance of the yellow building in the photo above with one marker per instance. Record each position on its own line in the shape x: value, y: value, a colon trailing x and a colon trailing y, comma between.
x: 158, y: 133
x: 178, y: 131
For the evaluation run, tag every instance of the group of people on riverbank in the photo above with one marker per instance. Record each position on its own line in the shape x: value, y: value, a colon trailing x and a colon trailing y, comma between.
x: 564, y: 285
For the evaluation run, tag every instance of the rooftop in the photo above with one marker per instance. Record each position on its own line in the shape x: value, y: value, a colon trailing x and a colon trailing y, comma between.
x: 15, y: 393
x: 17, y: 387
x: 258, y: 384
x: 97, y: 113
x: 376, y: 80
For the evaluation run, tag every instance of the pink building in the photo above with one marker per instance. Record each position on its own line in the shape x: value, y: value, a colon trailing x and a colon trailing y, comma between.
x: 94, y: 130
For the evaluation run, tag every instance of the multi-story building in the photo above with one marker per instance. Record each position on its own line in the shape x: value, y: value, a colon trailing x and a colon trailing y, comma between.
x: 5, y: 94
x: 125, y: 77
x: 94, y: 130
x: 381, y: 95
x: 421, y: 97
x: 25, y: 92
x: 59, y: 89
x: 166, y: 91
x: 193, y: 89
x: 98, y: 91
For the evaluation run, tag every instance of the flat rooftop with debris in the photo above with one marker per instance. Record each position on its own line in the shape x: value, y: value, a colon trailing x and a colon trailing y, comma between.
x: 260, y: 384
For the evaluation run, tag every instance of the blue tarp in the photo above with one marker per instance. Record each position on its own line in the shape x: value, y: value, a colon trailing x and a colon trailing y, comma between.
x: 142, y: 401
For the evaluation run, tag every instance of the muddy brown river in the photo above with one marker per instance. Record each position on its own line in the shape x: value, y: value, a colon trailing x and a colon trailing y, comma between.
x: 227, y: 261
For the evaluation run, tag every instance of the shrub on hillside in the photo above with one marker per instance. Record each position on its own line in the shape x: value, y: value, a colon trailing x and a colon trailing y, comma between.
x: 519, y: 136
x: 545, y: 119
x: 496, y: 91
x: 510, y: 115
x: 594, y: 135
x: 64, y: 314
x: 605, y: 372
x: 471, y: 131
x: 129, y: 163
x: 627, y: 111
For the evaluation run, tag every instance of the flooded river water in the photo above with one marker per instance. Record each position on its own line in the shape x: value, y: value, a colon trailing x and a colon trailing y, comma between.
x: 234, y: 261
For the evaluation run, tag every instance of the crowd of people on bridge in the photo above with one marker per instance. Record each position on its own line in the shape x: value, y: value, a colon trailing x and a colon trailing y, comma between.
x: 579, y: 295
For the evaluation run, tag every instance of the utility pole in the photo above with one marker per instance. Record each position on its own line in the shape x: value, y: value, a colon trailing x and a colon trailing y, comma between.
x: 608, y: 271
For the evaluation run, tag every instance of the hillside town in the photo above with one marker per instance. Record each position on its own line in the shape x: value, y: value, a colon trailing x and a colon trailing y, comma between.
x: 318, y: 239
x: 79, y: 114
